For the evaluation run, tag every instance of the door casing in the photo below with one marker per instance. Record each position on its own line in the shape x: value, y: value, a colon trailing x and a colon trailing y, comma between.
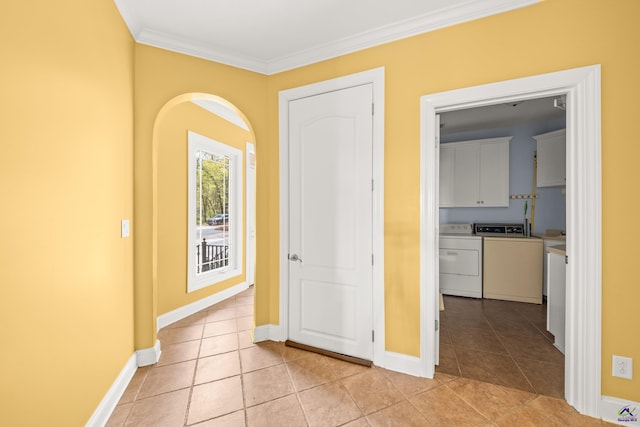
x: 584, y: 218
x: 375, y: 77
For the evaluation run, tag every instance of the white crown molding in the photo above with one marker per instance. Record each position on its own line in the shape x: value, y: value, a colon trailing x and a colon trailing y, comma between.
x: 411, y: 27
x: 468, y: 11
x: 200, y: 50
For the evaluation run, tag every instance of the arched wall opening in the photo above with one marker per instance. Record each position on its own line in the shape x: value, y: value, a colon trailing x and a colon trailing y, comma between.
x: 216, y: 118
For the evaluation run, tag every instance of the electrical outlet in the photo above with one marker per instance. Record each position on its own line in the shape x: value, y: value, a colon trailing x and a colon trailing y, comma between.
x: 622, y: 367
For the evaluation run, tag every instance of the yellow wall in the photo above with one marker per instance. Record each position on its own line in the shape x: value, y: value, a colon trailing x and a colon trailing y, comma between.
x: 66, y: 181
x: 173, y: 199
x: 550, y: 36
x: 511, y: 45
x: 66, y: 156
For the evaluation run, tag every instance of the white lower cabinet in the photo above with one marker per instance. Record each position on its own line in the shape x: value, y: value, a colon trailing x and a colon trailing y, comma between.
x: 556, y: 269
x: 475, y: 173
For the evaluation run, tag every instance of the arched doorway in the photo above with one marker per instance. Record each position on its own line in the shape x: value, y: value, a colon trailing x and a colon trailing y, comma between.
x: 218, y: 119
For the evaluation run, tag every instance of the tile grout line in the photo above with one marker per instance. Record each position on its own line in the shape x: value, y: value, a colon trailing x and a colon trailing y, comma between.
x: 513, y: 359
x: 509, y: 353
x: 195, y: 372
x: 244, y: 400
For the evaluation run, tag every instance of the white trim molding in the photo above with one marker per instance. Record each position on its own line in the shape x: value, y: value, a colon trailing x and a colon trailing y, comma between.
x: 189, y: 309
x: 375, y: 77
x: 398, y: 362
x: 269, y: 333
x: 584, y: 218
x: 250, y: 213
x: 109, y: 402
x: 620, y: 411
x: 149, y: 356
x: 444, y: 17
x: 197, y: 144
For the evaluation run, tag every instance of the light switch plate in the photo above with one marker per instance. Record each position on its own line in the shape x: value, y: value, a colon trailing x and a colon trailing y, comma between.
x: 124, y: 228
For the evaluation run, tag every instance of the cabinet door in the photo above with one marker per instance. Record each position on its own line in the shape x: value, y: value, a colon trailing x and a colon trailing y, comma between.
x: 494, y: 174
x: 447, y: 167
x: 475, y: 173
x: 556, y: 276
x: 552, y: 165
x: 466, y: 176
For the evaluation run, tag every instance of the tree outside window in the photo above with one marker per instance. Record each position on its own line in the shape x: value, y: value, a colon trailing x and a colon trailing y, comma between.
x: 214, y: 211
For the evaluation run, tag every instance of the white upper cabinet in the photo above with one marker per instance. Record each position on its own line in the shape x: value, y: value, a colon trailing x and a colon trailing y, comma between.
x: 552, y: 156
x: 466, y: 185
x: 475, y: 173
x: 447, y: 165
x: 494, y: 173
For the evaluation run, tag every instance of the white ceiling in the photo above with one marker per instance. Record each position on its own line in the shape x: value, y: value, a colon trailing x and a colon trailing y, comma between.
x: 269, y: 36
x: 531, y: 111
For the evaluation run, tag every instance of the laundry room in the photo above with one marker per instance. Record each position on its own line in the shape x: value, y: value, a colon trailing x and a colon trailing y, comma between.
x: 502, y: 217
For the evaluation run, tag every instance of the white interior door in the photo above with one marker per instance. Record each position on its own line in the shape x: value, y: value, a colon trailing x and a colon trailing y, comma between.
x: 330, y: 220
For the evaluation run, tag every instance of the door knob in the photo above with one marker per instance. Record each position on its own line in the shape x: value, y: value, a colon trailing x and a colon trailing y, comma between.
x: 294, y: 257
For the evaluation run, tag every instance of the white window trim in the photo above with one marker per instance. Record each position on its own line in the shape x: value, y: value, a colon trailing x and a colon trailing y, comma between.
x: 198, y: 281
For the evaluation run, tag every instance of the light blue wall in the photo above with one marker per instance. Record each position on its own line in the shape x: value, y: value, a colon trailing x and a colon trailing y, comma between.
x: 550, y: 208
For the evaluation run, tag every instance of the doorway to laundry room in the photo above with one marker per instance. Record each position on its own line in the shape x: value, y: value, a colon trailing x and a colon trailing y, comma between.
x: 497, y: 207
x: 577, y: 91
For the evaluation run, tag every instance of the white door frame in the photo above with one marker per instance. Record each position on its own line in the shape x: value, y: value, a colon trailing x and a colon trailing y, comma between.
x: 375, y: 77
x: 584, y: 218
x: 250, y: 212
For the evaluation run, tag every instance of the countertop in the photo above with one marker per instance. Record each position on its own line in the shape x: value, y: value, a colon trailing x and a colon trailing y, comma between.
x: 551, y: 235
x: 558, y: 249
x: 510, y: 237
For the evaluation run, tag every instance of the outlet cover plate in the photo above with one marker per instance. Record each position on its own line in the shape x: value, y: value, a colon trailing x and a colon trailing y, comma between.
x: 622, y: 367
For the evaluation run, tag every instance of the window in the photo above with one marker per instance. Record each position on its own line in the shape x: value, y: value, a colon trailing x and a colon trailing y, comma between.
x: 215, y: 212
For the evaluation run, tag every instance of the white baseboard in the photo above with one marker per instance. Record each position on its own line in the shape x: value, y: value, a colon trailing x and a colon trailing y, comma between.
x: 187, y: 310
x: 268, y: 332
x: 149, y: 356
x: 107, y: 405
x: 389, y: 360
x: 620, y: 411
x: 410, y: 365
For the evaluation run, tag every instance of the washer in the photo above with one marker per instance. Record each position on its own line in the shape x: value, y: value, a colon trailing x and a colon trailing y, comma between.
x: 460, y: 261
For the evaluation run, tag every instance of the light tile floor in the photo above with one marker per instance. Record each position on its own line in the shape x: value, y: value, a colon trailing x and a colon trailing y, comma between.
x: 211, y: 374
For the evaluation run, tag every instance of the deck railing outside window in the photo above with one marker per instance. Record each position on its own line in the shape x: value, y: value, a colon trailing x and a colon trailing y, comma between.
x: 211, y: 257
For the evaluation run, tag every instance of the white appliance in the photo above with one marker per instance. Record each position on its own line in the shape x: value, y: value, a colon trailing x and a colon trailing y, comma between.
x: 460, y: 261
x: 548, y: 242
